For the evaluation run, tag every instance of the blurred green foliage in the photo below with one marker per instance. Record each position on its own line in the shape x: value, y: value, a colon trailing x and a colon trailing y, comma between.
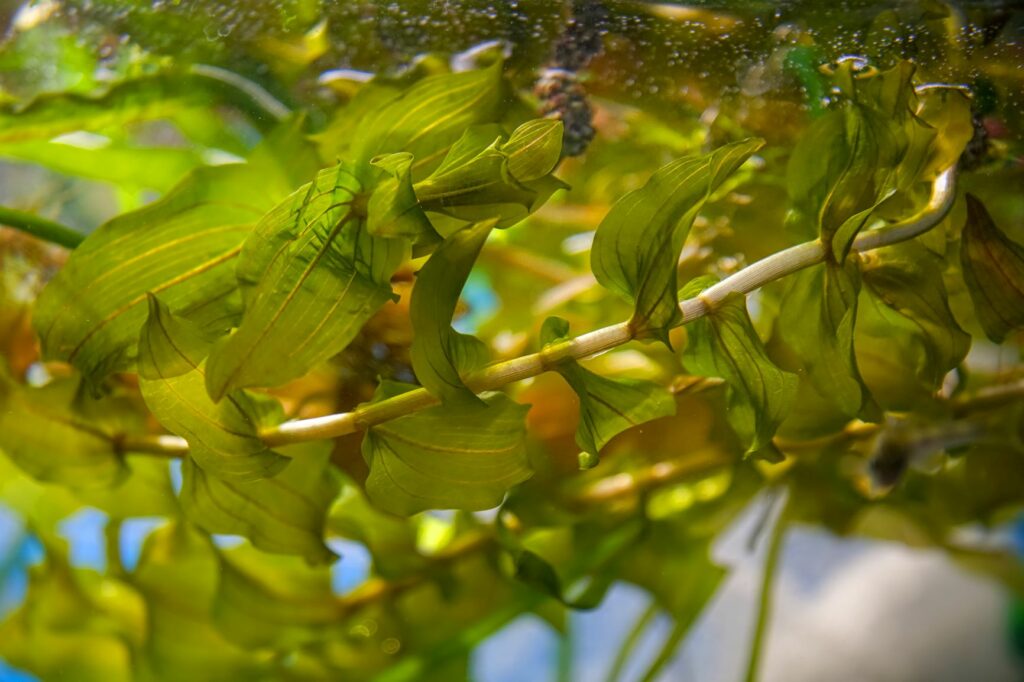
x: 278, y: 174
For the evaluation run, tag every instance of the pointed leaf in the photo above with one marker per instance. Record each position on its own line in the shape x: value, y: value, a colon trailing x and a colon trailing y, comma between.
x: 908, y: 279
x: 223, y: 437
x: 534, y: 148
x: 312, y: 275
x: 131, y: 168
x: 75, y: 625
x: 446, y: 457
x: 146, y: 98
x: 393, y: 210
x: 182, y: 247
x: 177, y: 574
x: 637, y: 246
x: 856, y: 157
x: 486, y: 176
x: 282, y: 515
x: 41, y: 433
x: 427, y: 118
x: 390, y: 539
x: 948, y: 112
x: 817, y: 317
x: 274, y: 601
x: 439, y: 353
x: 725, y: 344
x: 993, y: 267
x: 607, y: 406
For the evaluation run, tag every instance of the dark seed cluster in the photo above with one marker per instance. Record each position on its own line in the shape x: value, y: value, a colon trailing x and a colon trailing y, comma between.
x: 558, y: 89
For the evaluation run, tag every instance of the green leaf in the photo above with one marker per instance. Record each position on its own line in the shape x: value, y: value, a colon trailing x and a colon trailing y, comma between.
x: 311, y: 276
x: 637, y: 245
x: 127, y: 167
x: 908, y: 279
x: 337, y: 140
x: 391, y: 540
x: 993, y: 267
x: 841, y: 170
x: 575, y: 564
x: 182, y: 247
x: 725, y: 344
x: 676, y: 569
x: 282, y: 515
x: 816, y: 319
x: 145, y: 490
x: 427, y: 118
x: 74, y: 625
x: 223, y: 437
x: 856, y: 157
x: 486, y: 176
x: 439, y: 353
x: 607, y: 406
x: 274, y: 601
x: 140, y: 99
x: 393, y: 209
x: 46, y: 437
x: 177, y: 574
x: 446, y: 457
x: 948, y: 113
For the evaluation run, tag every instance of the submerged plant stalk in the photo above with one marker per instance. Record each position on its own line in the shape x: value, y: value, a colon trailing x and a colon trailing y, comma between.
x: 495, y: 376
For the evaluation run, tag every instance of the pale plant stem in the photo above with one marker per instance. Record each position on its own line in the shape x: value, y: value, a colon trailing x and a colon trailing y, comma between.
x: 495, y: 376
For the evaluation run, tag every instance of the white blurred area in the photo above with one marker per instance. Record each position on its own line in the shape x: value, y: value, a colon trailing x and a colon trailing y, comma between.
x: 845, y: 610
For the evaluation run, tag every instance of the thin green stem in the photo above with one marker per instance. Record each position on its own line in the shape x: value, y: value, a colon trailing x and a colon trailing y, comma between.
x: 628, y: 644
x: 495, y: 376
x: 767, y: 582
x: 565, y: 653
x: 668, y: 648
x: 44, y: 229
x: 112, y: 538
x: 253, y: 91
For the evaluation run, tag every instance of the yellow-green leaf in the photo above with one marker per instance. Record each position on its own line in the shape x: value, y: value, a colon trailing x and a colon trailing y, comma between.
x: 75, y: 625
x: 182, y: 247
x: 993, y: 267
x: 439, y: 353
x: 393, y: 209
x: 607, y: 406
x: 817, y: 317
x: 486, y: 176
x: 312, y: 275
x: 725, y: 344
x: 127, y: 167
x: 145, y: 98
x: 446, y: 457
x: 859, y: 155
x: 637, y: 245
x: 428, y: 117
x: 223, y: 437
x: 274, y: 601
x: 282, y: 515
x: 46, y: 437
x: 908, y: 279
x: 177, y: 574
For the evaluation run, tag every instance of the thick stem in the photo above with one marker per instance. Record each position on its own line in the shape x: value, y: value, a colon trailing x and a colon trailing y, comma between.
x: 42, y: 228
x: 495, y: 376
